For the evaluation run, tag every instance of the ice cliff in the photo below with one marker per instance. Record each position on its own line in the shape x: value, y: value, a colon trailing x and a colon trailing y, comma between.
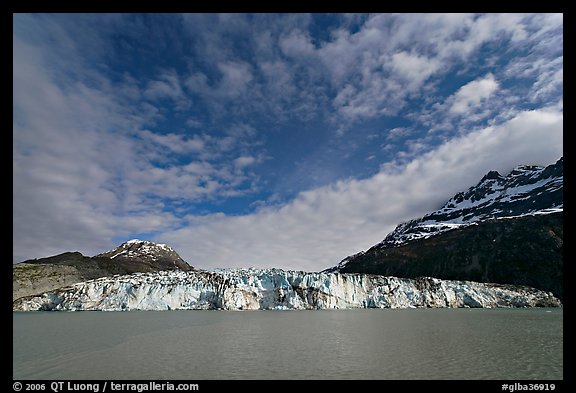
x: 274, y: 289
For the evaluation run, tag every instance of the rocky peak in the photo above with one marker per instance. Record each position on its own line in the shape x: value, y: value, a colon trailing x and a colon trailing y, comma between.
x: 492, y: 175
x: 156, y: 254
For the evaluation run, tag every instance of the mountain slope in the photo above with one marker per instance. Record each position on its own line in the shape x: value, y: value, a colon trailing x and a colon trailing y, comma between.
x: 40, y: 275
x: 506, y: 229
x: 525, y: 190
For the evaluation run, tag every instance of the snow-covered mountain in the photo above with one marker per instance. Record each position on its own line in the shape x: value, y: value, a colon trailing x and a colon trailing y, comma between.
x: 505, y: 230
x: 526, y: 190
x: 252, y: 289
x: 143, y: 251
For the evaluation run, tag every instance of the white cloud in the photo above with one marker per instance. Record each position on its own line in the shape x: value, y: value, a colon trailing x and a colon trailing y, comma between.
x: 244, y: 161
x: 279, y: 82
x: 297, y: 43
x: 177, y: 143
x: 163, y: 88
x: 547, y: 83
x: 385, y: 74
x: 549, y: 75
x: 320, y: 227
x: 236, y: 76
x: 167, y: 86
x: 197, y: 82
x: 86, y: 171
x: 193, y: 123
x: 413, y: 68
x: 397, y: 133
x: 200, y: 168
x: 367, y: 72
x: 69, y: 164
x: 472, y: 94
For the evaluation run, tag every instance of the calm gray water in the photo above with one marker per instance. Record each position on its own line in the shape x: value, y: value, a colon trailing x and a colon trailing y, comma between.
x: 343, y: 344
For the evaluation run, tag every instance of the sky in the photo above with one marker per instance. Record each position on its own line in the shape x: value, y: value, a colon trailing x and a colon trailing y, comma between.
x: 268, y: 140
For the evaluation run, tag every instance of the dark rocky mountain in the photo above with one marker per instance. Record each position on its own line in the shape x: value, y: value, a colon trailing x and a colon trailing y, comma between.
x: 506, y: 229
x: 40, y: 275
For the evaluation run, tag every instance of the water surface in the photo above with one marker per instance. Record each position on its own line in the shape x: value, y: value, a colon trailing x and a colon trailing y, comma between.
x: 342, y: 344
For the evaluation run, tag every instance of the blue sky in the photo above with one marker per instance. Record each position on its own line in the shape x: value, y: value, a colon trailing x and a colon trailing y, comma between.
x: 262, y: 140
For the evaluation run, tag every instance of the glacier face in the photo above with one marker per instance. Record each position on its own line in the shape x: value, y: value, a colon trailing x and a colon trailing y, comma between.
x: 275, y: 289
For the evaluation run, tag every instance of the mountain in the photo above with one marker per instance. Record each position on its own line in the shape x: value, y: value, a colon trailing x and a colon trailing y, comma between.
x: 525, y: 190
x: 144, y: 255
x: 40, y: 275
x: 267, y: 289
x: 506, y: 229
x: 507, y: 232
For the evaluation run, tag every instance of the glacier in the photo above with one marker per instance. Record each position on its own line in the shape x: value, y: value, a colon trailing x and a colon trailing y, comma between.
x: 276, y: 289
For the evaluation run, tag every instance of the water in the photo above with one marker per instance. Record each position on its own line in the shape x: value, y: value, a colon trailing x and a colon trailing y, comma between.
x: 344, y: 344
